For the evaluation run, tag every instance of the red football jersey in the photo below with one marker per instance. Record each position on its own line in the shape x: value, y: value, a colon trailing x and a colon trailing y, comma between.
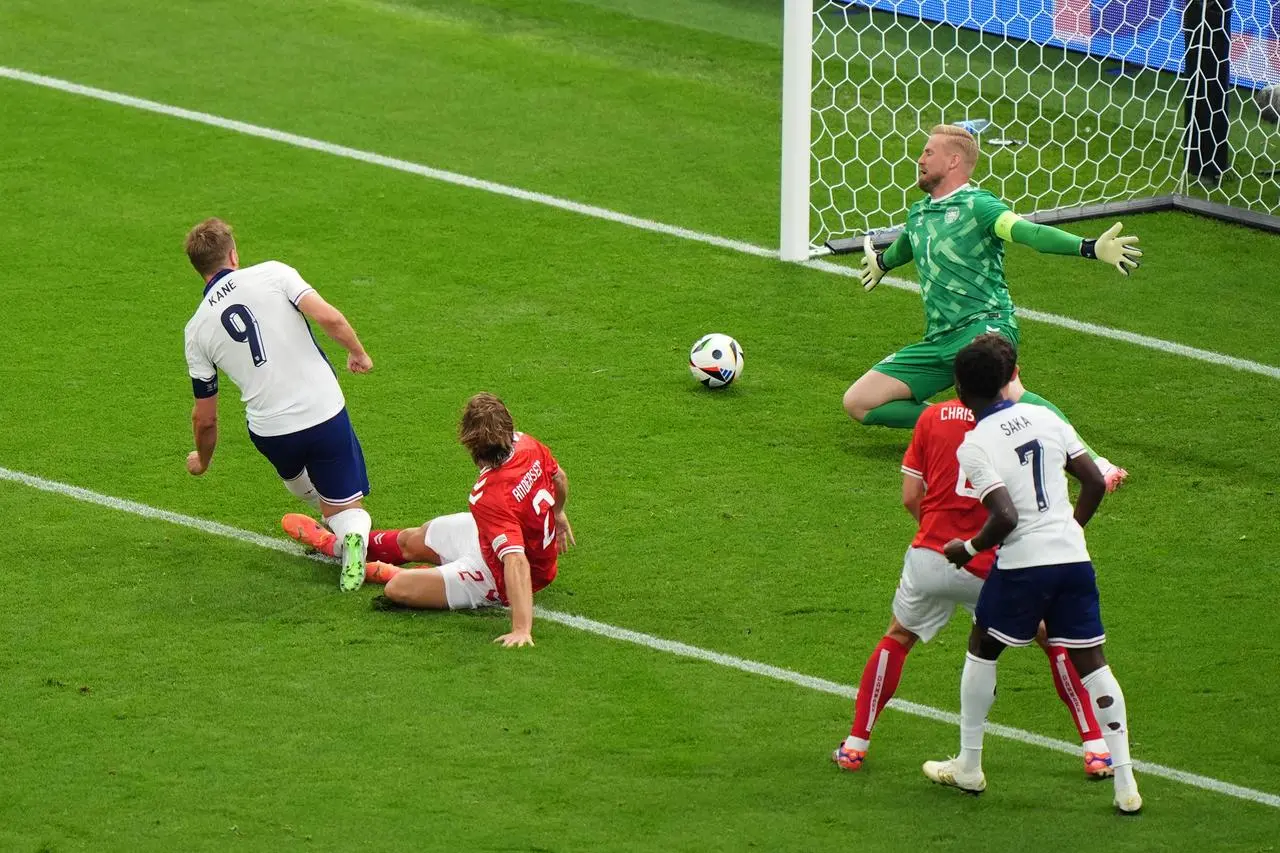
x: 512, y: 508
x: 950, y: 509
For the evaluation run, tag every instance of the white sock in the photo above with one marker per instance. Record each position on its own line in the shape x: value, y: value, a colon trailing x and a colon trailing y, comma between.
x: 1108, y: 705
x: 860, y: 744
x: 977, y: 694
x: 300, y: 487
x: 350, y: 521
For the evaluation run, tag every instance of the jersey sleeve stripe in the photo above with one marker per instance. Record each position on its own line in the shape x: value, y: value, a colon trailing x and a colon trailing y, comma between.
x: 1075, y: 454
x: 912, y: 472
x: 991, y: 487
x: 298, y: 298
x: 510, y: 549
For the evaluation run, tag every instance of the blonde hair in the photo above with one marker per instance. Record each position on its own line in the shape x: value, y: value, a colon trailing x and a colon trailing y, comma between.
x: 209, y: 244
x: 961, y: 141
x: 486, y: 430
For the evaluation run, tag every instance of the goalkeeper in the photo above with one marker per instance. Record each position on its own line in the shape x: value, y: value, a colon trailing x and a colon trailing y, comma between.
x: 956, y: 236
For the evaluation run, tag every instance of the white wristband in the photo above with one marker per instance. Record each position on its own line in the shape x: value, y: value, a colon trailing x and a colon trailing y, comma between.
x: 968, y: 546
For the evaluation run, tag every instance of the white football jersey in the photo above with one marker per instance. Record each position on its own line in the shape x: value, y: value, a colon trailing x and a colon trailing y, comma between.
x: 249, y: 326
x: 1025, y: 449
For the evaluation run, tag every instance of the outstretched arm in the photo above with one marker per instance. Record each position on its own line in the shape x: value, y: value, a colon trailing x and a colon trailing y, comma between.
x: 335, y: 325
x: 1121, y: 252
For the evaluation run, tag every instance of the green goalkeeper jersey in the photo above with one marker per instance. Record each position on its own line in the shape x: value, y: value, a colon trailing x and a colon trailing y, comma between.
x: 959, y: 258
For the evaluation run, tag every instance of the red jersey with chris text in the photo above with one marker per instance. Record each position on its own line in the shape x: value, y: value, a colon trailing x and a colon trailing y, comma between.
x: 512, y: 508
x: 950, y: 509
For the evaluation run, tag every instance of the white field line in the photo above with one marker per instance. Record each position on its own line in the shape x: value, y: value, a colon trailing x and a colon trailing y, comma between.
x: 434, y: 174
x: 649, y: 641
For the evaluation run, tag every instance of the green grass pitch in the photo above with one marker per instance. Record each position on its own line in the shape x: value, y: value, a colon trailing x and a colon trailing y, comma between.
x: 165, y: 689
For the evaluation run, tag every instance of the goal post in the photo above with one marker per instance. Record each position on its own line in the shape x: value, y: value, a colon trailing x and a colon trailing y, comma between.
x: 797, y: 80
x: 1081, y: 108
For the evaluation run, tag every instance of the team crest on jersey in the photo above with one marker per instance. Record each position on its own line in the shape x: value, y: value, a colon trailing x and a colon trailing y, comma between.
x: 953, y: 213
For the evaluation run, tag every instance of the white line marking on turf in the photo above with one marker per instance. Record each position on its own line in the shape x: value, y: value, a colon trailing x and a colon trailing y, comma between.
x: 1094, y: 329
x: 307, y: 142
x: 912, y: 708
x: 380, y: 160
x: 648, y: 640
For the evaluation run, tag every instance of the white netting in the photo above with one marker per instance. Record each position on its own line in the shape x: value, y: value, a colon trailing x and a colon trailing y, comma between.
x: 1061, y: 128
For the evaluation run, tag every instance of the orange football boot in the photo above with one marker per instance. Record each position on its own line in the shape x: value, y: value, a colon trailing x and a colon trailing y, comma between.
x: 309, y: 532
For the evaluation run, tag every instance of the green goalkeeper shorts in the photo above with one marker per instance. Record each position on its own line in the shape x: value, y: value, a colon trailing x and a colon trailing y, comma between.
x: 929, y: 366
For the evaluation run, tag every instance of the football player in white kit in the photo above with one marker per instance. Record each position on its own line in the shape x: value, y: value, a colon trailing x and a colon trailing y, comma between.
x: 1016, y: 458
x: 252, y: 324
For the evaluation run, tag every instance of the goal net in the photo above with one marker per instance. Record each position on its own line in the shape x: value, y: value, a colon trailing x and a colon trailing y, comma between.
x: 1081, y: 107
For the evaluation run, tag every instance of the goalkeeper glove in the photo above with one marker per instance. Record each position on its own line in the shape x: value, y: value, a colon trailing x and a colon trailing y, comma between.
x: 1121, y: 252
x: 873, y: 268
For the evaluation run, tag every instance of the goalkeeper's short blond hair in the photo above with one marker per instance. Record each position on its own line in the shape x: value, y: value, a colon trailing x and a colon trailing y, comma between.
x: 961, y: 141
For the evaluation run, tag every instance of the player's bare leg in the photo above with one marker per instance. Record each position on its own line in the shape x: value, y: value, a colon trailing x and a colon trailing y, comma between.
x: 977, y: 695
x: 412, y: 542
x: 421, y: 589
x: 879, y: 681
x: 1097, y: 758
x: 879, y: 391
x: 1108, y: 702
x: 401, y: 546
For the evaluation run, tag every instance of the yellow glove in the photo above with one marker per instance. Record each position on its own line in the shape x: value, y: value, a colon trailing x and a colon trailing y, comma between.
x: 1121, y: 252
x: 873, y: 268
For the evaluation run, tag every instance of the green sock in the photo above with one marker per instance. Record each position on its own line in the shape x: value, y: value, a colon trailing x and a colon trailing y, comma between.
x: 1037, y: 400
x: 899, y: 414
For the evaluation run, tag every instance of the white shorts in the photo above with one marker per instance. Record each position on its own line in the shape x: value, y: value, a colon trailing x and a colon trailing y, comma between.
x: 930, y: 590
x: 468, y: 583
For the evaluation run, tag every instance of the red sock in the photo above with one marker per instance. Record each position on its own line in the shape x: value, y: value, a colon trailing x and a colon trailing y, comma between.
x: 1073, y: 694
x: 384, y: 547
x: 879, y: 680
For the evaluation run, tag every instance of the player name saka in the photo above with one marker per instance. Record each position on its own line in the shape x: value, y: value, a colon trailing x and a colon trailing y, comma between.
x: 521, y: 491
x: 1013, y: 425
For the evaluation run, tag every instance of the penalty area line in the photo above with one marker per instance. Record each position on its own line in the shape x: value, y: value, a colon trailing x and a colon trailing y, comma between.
x: 649, y: 641
x: 457, y: 179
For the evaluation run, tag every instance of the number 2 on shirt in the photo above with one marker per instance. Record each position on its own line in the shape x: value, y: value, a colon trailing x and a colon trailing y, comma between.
x: 548, y: 532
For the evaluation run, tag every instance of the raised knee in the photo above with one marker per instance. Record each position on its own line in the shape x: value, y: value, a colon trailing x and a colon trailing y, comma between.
x: 412, y: 544
x: 854, y: 407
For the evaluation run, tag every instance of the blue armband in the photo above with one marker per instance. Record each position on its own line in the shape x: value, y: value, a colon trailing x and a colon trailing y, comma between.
x: 204, y: 388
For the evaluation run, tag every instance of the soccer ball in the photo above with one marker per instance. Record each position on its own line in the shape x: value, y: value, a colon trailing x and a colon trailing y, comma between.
x: 715, y: 360
x: 1268, y: 101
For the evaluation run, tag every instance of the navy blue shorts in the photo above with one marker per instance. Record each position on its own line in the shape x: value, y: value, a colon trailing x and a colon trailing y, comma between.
x: 330, y: 454
x: 1013, y: 601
